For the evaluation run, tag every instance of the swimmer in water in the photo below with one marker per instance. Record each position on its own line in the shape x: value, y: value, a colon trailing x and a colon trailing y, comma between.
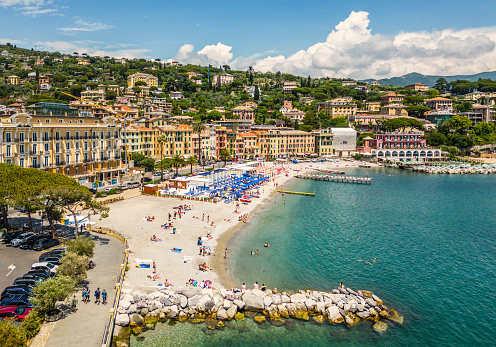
x: 375, y: 259
x: 368, y: 262
x: 361, y: 259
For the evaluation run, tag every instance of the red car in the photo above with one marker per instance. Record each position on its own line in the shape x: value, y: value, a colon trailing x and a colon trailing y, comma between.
x: 17, y: 313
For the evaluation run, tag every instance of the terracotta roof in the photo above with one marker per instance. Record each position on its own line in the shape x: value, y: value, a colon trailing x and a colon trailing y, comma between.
x: 439, y: 99
x: 143, y: 128
x: 247, y: 134
x: 183, y: 126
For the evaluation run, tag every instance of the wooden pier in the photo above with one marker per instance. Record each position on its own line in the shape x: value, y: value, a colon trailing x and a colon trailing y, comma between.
x: 340, y: 179
x: 299, y: 193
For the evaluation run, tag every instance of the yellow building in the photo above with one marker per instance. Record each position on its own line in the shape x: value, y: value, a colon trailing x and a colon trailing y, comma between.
x: 140, y: 140
x: 85, y: 148
x: 339, y: 107
x: 180, y: 140
x: 14, y: 80
x: 323, y: 141
x: 150, y: 80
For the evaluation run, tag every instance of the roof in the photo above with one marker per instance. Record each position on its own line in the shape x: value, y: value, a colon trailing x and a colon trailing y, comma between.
x: 343, y: 131
x: 143, y: 128
x: 247, y: 134
x: 439, y: 99
x: 183, y: 126
x: 367, y: 138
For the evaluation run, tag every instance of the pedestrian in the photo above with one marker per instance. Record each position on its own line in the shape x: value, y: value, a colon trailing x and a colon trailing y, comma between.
x: 170, y: 216
x: 104, y: 297
x: 97, y: 296
x: 154, y: 268
x: 199, y: 242
x: 74, y: 304
x: 203, y: 217
x: 208, y: 219
x: 225, y: 254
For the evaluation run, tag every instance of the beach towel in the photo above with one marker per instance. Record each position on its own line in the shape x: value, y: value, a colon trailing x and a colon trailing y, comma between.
x: 187, y: 259
x: 177, y: 250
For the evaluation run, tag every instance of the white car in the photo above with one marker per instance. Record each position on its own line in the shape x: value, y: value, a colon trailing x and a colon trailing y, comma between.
x: 22, y: 237
x: 53, y: 268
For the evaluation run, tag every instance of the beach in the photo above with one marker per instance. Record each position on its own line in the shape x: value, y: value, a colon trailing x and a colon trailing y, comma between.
x: 129, y: 218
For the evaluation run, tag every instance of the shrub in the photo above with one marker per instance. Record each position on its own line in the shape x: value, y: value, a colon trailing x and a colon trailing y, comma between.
x: 47, y: 293
x: 31, y: 325
x: 10, y: 335
x: 83, y: 245
x: 74, y: 266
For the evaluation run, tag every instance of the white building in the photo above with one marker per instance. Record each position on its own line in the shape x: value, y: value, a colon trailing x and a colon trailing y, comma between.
x: 344, y: 141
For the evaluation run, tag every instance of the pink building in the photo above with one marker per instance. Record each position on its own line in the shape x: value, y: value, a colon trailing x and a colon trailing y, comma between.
x: 439, y: 103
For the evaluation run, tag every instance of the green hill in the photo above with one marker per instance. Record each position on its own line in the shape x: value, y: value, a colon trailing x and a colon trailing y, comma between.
x: 430, y: 80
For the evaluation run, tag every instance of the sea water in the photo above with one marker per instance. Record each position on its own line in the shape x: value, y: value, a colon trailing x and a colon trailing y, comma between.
x: 434, y: 240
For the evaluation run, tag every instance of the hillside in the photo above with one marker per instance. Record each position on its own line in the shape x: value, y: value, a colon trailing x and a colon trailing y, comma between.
x: 430, y: 80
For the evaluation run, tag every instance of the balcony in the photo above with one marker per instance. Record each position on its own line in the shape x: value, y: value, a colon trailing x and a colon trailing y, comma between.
x: 35, y: 166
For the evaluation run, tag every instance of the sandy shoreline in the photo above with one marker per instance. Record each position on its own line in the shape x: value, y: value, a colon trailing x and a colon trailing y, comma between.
x: 126, y: 217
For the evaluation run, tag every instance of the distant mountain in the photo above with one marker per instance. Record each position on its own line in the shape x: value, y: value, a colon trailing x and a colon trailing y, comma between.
x: 415, y: 77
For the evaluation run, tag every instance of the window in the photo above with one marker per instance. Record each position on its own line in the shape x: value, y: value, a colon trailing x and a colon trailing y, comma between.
x: 57, y: 148
x: 67, y: 135
x: 21, y: 136
x: 21, y: 148
x: 86, y: 146
x: 46, y: 147
x: 67, y: 146
x: 77, y: 135
x: 46, y: 161
x: 77, y: 145
x: 35, y: 148
x: 46, y: 137
x: 57, y: 135
x: 8, y: 137
x: 47, y: 120
x: 21, y: 162
x: 67, y: 159
x: 67, y: 171
x: 8, y: 151
x: 35, y: 136
x: 77, y: 157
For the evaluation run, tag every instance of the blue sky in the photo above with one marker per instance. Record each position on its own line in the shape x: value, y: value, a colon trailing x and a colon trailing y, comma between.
x: 376, y: 38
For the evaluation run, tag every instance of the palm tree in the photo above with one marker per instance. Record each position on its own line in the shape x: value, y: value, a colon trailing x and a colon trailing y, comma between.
x: 199, y: 127
x: 161, y: 140
x: 177, y: 161
x: 224, y: 154
x: 97, y: 182
x: 191, y: 161
x: 163, y: 165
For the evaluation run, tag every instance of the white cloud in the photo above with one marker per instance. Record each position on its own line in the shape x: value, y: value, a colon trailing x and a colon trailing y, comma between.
x: 352, y: 50
x: 31, y: 7
x: 86, y: 26
x: 11, y: 41
x: 218, y: 54
x: 92, y: 48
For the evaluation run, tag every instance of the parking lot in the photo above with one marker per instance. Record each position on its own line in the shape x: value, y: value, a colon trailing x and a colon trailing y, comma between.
x: 14, y: 262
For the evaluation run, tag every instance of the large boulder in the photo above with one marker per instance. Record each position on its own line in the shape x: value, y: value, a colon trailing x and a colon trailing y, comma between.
x: 194, y: 300
x: 371, y: 302
x: 283, y: 311
x: 267, y: 301
x: 231, y: 312
x: 182, y: 317
x: 351, y: 319
x: 377, y: 299
x: 132, y: 309
x: 380, y: 327
x: 363, y: 314
x: 333, y: 315
x: 320, y: 307
x: 227, y: 304
x: 285, y: 299
x: 260, y: 319
x: 122, y: 320
x: 297, y: 298
x: 136, y: 320
x: 395, y: 317
x: 209, y: 305
x: 239, y: 317
x: 183, y: 301
x: 366, y: 293
x: 174, y: 311
x: 189, y: 291
x: 240, y: 304
x: 222, y: 314
x: 310, y: 304
x: 253, y: 302
x: 125, y: 304
x: 276, y: 299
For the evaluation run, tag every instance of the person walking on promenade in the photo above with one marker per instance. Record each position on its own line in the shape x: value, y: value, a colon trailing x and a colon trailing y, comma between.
x: 74, y: 304
x: 104, y: 297
x: 97, y: 296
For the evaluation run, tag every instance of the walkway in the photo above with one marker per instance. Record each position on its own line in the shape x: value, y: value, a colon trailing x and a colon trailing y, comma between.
x: 86, y: 326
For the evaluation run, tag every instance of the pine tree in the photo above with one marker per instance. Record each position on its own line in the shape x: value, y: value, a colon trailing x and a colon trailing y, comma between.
x: 257, y: 94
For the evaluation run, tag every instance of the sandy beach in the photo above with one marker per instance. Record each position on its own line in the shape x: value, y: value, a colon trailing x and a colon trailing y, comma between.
x: 128, y: 217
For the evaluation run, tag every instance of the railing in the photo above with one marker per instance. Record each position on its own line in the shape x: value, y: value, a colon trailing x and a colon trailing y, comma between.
x: 109, y: 327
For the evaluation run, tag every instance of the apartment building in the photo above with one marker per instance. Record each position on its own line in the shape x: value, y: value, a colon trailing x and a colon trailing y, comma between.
x: 179, y: 140
x: 140, y: 140
x: 418, y: 87
x: 391, y: 98
x: 14, y: 80
x: 93, y: 95
x: 439, y: 103
x: 150, y: 80
x: 222, y: 79
x: 339, y: 107
x: 244, y: 113
x: 85, y: 148
x: 323, y: 141
x: 288, y: 87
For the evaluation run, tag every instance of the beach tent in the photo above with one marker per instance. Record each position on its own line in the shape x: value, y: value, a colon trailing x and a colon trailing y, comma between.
x: 143, y: 263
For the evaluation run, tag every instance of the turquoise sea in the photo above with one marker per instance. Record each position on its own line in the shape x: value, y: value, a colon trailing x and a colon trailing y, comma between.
x: 434, y: 238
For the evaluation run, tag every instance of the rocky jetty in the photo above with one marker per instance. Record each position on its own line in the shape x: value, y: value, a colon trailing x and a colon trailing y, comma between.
x: 457, y: 170
x: 139, y: 311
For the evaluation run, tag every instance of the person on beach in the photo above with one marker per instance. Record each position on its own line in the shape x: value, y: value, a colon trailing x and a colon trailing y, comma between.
x: 225, y: 253
x: 208, y: 219
x: 255, y: 285
x: 243, y: 287
x: 199, y: 242
x: 341, y: 285
x: 153, y: 238
x: 97, y: 296
x: 235, y: 290
x: 263, y: 288
x: 203, y: 217
x: 104, y: 297
x: 167, y: 283
x: 154, y: 268
x: 275, y: 291
x: 203, y: 267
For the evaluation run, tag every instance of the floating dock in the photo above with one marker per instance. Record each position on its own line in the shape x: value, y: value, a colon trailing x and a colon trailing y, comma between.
x: 298, y: 193
x: 340, y: 179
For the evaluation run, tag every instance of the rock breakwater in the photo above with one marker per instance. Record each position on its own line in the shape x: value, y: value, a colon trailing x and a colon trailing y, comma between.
x: 139, y: 311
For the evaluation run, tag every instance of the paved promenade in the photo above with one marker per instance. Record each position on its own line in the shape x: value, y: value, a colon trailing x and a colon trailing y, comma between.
x: 86, y: 326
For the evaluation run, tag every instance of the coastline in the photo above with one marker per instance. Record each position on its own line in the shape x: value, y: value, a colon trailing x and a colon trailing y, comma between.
x: 126, y: 217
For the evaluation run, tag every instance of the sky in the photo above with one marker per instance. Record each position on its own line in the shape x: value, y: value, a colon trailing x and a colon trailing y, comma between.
x: 354, y: 39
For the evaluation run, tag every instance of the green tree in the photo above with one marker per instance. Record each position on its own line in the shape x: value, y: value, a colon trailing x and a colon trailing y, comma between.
x: 198, y: 128
x: 465, y: 106
x: 74, y: 266
x: 30, y: 325
x: 191, y: 161
x: 436, y: 139
x: 162, y: 165
x: 441, y: 85
x: 224, y: 154
x: 256, y: 95
x: 47, y: 293
x: 177, y: 161
x: 148, y: 164
x: 461, y: 124
x: 83, y: 246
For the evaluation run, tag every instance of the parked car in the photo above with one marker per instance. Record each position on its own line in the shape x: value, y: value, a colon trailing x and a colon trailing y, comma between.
x: 45, y: 273
x: 147, y: 179
x: 26, y: 281
x: 17, y: 313
x: 52, y: 267
x: 53, y: 260
x: 53, y: 253
x: 11, y: 236
x: 32, y: 277
x: 17, y: 300
x: 29, y: 242
x: 15, y: 242
x: 45, y: 243
x: 16, y: 291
